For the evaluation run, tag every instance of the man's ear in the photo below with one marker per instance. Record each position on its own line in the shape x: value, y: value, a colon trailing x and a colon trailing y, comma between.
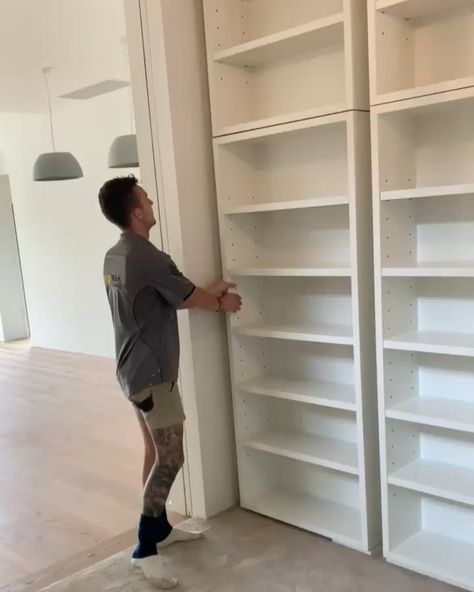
x: 138, y: 213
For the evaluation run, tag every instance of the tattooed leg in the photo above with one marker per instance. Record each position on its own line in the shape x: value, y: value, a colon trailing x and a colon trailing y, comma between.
x: 169, y: 460
x: 150, y: 452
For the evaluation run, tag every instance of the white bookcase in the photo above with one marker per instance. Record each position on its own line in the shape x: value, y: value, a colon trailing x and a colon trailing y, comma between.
x: 294, y: 209
x: 274, y: 61
x: 292, y: 161
x: 420, y: 47
x: 423, y: 180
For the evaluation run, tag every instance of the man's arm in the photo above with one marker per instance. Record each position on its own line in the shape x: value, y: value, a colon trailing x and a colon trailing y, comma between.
x: 181, y: 293
x: 206, y: 300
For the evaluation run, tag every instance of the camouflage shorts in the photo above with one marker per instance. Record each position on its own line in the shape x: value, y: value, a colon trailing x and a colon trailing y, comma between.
x: 160, y: 405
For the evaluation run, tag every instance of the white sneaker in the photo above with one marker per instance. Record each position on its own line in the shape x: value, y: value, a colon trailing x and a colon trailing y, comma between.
x: 180, y: 535
x: 156, y: 572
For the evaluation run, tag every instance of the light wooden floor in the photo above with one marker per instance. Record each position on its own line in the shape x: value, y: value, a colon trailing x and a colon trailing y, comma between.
x: 70, y: 458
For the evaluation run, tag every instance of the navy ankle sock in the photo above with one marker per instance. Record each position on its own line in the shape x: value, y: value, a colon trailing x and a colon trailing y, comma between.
x: 151, y: 530
x: 163, y: 528
x: 143, y: 550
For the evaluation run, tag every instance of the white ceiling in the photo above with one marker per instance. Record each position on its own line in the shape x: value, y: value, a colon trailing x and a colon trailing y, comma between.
x: 83, y: 40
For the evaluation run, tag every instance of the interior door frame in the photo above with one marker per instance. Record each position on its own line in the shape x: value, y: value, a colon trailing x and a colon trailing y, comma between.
x: 18, y: 306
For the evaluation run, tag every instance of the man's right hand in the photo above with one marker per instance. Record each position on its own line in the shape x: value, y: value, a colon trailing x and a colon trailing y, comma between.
x: 220, y: 288
x: 200, y: 298
x: 231, y: 302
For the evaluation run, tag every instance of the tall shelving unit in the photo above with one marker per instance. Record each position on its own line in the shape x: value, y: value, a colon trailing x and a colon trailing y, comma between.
x: 289, y: 103
x: 272, y: 61
x: 423, y: 181
x: 420, y: 47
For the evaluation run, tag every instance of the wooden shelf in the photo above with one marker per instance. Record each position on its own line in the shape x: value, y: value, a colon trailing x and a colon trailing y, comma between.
x: 436, y: 191
x: 455, y: 344
x: 259, y: 128
x: 330, y: 453
x: 325, y: 394
x: 274, y: 129
x: 430, y: 270
x: 439, y: 479
x: 425, y: 90
x: 437, y: 556
x: 291, y: 271
x: 433, y: 104
x: 335, y: 521
x: 418, y: 9
x: 300, y: 204
x: 442, y: 413
x: 309, y: 37
x: 321, y: 333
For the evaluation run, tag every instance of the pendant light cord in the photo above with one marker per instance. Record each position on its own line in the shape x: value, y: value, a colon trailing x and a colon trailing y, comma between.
x: 132, y: 119
x: 46, y: 71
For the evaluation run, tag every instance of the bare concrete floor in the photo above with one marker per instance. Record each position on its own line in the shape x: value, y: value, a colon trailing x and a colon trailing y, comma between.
x: 244, y: 552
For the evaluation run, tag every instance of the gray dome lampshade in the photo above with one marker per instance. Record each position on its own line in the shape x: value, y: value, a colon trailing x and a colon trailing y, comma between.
x: 56, y: 166
x: 123, y: 152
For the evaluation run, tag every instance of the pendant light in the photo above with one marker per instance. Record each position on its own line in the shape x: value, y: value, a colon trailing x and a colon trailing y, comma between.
x: 123, y: 152
x: 55, y: 166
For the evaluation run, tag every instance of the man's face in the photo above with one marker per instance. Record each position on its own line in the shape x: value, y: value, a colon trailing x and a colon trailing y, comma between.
x: 145, y: 206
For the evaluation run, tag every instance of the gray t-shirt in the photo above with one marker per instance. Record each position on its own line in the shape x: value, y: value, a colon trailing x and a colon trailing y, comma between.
x: 144, y: 288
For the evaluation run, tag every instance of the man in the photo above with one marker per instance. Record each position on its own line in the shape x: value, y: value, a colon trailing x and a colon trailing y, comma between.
x: 145, y: 289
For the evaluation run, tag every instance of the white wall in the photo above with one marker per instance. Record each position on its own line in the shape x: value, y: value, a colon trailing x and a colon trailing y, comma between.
x: 62, y: 234
x: 81, y: 39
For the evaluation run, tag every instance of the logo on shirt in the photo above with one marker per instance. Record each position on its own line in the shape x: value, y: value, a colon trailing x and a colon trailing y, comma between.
x: 111, y: 278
